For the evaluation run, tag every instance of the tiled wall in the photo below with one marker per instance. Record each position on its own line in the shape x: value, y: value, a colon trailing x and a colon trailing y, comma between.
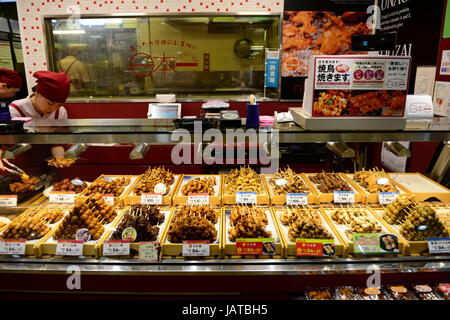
x: 32, y: 12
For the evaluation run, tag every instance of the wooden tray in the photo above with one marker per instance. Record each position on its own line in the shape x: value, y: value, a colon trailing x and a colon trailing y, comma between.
x: 421, y: 186
x: 90, y: 249
x: 131, y: 198
x: 262, y: 198
x: 31, y: 245
x: 329, y: 197
x: 215, y: 200
x: 175, y: 250
x: 118, y: 201
x: 134, y: 246
x: 373, y: 197
x: 280, y: 199
x: 340, y: 229
x: 229, y: 248
x: 291, y: 247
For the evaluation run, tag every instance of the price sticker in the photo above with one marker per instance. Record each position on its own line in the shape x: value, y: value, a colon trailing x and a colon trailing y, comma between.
x: 8, y: 201
x: 246, y: 197
x: 151, y: 198
x: 116, y: 248
x: 69, y: 248
x: 62, y: 197
x: 195, y: 248
x: 344, y: 196
x: 256, y: 247
x: 12, y: 246
x: 109, y: 198
x: 387, y: 197
x: 149, y: 251
x: 293, y: 199
x: 315, y: 247
x: 439, y: 245
x: 198, y: 199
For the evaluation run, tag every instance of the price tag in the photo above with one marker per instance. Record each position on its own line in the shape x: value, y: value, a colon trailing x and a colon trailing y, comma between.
x: 116, y: 248
x: 69, y: 248
x: 109, y: 198
x: 12, y: 246
x: 198, y: 199
x: 375, y: 243
x: 315, y: 247
x: 151, y: 198
x: 387, y: 197
x: 246, y: 197
x: 149, y: 251
x: 255, y: 247
x: 195, y: 248
x: 8, y: 201
x: 439, y: 245
x: 293, y: 199
x: 344, y: 197
x: 62, y: 197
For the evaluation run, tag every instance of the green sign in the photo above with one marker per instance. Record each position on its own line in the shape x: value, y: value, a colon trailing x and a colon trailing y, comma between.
x: 375, y: 243
x: 447, y: 22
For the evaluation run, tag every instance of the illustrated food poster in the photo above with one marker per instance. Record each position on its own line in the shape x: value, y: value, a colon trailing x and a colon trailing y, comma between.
x: 318, y: 27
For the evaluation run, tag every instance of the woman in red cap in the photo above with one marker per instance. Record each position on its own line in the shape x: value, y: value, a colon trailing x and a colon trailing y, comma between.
x: 52, y: 90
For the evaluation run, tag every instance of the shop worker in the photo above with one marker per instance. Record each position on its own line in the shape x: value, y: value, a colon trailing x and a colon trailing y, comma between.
x: 52, y: 90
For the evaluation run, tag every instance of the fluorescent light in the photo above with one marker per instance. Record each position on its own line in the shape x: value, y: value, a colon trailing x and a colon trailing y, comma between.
x: 100, y: 22
x: 74, y: 31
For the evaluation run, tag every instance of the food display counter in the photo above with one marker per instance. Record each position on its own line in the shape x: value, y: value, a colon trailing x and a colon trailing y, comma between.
x: 240, y: 234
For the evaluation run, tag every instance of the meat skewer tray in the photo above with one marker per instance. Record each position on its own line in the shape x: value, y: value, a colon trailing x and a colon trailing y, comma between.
x: 214, y: 200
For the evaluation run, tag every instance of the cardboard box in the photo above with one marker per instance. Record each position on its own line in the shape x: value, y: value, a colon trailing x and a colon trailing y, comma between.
x: 356, y: 86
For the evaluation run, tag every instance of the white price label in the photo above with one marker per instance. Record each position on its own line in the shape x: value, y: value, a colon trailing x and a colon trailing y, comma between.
x: 62, y: 197
x: 149, y: 251
x: 69, y: 248
x: 12, y: 246
x: 151, y: 198
x: 116, y: 248
x: 246, y: 198
x: 8, y: 201
x: 344, y: 197
x: 109, y: 198
x: 195, y: 248
x: 198, y: 199
x: 387, y: 197
x: 293, y: 199
x: 439, y: 245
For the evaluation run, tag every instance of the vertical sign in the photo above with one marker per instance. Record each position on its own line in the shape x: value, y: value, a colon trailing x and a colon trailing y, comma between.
x: 272, y: 66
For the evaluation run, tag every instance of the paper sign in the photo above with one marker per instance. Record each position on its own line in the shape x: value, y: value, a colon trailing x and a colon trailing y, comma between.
x: 344, y: 196
x: 149, y: 251
x: 116, y: 248
x: 198, y: 199
x: 255, y: 247
x: 109, y: 198
x: 387, y: 197
x: 246, y: 198
x: 293, y: 199
x: 8, y: 201
x: 62, y: 197
x: 12, y: 246
x: 151, y: 198
x: 195, y: 248
x: 439, y: 245
x: 69, y: 248
x: 375, y: 243
x: 315, y: 247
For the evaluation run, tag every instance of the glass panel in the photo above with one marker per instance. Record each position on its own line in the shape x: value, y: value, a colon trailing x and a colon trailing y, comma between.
x: 4, y: 27
x: 15, y: 26
x: 138, y: 57
x: 18, y: 51
x: 5, y: 56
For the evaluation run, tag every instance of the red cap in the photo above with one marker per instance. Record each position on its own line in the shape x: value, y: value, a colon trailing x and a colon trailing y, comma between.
x: 53, y: 86
x: 11, y: 78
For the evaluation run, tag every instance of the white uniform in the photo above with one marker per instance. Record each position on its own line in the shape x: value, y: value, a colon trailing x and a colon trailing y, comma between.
x: 24, y: 108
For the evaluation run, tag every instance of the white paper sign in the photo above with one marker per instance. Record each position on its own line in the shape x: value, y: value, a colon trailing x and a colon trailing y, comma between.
x: 441, y: 98
x: 148, y: 251
x: 109, y: 198
x: 12, y: 246
x: 425, y: 76
x: 62, y: 197
x: 69, y: 248
x: 439, y: 245
x: 293, y: 199
x: 419, y: 107
x: 116, y: 248
x: 344, y: 196
x: 8, y: 201
x: 195, y: 249
x: 198, y: 199
x: 246, y: 198
x: 151, y: 198
x: 387, y: 197
x: 445, y: 63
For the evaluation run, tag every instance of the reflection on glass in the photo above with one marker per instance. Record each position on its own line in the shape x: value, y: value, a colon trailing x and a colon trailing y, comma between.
x: 139, y: 57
